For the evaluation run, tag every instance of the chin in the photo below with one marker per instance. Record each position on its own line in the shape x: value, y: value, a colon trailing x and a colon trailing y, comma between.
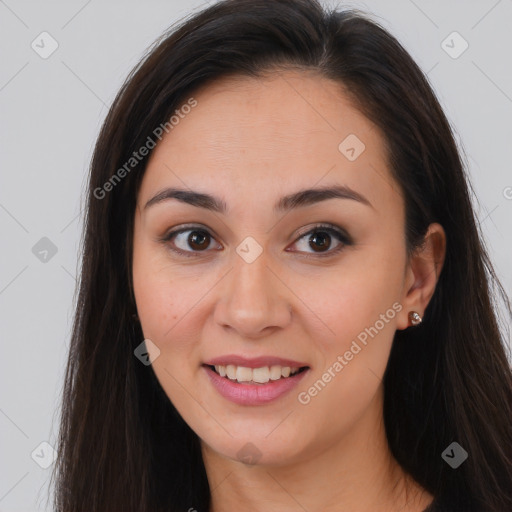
x: 255, y: 451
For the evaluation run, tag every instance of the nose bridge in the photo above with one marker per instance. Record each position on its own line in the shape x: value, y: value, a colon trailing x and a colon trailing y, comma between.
x: 254, y: 298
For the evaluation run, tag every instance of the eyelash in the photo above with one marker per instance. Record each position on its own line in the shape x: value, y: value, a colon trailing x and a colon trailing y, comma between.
x: 331, y: 229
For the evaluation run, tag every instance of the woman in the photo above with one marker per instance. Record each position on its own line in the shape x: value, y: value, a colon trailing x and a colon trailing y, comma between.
x: 285, y: 300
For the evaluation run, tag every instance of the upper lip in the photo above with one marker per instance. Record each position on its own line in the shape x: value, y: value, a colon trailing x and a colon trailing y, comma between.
x: 253, y: 362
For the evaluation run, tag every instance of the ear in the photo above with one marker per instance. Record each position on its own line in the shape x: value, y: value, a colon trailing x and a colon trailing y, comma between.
x: 421, y: 274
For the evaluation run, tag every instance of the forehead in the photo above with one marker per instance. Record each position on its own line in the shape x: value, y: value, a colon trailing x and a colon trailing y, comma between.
x: 281, y: 132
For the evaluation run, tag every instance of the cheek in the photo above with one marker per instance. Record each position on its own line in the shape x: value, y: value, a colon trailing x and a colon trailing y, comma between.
x: 357, y: 295
x: 362, y: 315
x: 168, y: 299
x: 154, y: 298
x: 159, y: 304
x: 165, y: 309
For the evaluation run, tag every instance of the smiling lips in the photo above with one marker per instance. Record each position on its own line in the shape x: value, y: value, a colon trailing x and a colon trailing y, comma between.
x: 253, y: 381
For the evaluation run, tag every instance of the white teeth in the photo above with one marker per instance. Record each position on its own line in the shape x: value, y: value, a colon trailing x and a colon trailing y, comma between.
x: 231, y: 371
x: 275, y: 372
x: 243, y: 374
x: 259, y: 375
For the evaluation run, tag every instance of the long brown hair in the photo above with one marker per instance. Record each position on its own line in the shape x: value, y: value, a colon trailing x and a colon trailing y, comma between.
x: 122, y: 445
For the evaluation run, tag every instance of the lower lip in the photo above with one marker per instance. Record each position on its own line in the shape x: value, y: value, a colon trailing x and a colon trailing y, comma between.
x: 253, y: 394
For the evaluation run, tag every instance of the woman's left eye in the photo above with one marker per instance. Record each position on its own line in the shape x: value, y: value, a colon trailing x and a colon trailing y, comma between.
x: 322, y: 236
x: 199, y: 239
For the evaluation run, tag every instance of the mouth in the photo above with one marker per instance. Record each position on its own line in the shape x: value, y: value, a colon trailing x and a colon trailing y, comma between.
x: 256, y: 376
x: 255, y: 386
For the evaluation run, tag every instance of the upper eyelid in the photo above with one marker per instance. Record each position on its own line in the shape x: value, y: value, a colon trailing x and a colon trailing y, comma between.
x: 324, y: 225
x: 173, y: 232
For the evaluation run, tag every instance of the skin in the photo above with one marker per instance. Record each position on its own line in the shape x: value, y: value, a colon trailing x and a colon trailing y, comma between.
x: 250, y: 141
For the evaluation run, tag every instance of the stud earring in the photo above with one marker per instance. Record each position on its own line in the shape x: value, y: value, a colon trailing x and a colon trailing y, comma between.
x: 415, y: 318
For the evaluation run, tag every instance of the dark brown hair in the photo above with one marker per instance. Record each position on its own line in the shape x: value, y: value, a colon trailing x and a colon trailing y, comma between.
x: 122, y: 445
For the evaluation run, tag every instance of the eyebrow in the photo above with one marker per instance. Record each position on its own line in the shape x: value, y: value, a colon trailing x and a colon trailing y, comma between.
x: 305, y: 197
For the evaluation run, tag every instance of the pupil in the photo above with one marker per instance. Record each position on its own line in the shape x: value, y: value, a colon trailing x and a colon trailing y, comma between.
x: 324, y: 239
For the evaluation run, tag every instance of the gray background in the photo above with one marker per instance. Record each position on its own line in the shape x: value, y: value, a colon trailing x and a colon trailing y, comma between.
x: 51, y: 111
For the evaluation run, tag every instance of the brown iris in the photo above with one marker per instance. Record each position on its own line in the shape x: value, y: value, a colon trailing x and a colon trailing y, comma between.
x: 197, y: 240
x: 320, y: 238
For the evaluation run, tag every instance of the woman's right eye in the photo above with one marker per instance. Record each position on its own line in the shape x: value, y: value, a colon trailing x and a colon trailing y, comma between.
x: 197, y: 239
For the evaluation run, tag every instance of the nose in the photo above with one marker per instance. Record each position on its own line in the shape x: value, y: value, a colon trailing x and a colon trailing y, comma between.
x: 254, y: 301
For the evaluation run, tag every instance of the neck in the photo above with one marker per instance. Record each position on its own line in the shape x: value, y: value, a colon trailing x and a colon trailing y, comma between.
x: 358, y: 473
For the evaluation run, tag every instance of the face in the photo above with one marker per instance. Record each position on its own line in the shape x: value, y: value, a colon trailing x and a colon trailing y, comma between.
x: 314, y: 281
